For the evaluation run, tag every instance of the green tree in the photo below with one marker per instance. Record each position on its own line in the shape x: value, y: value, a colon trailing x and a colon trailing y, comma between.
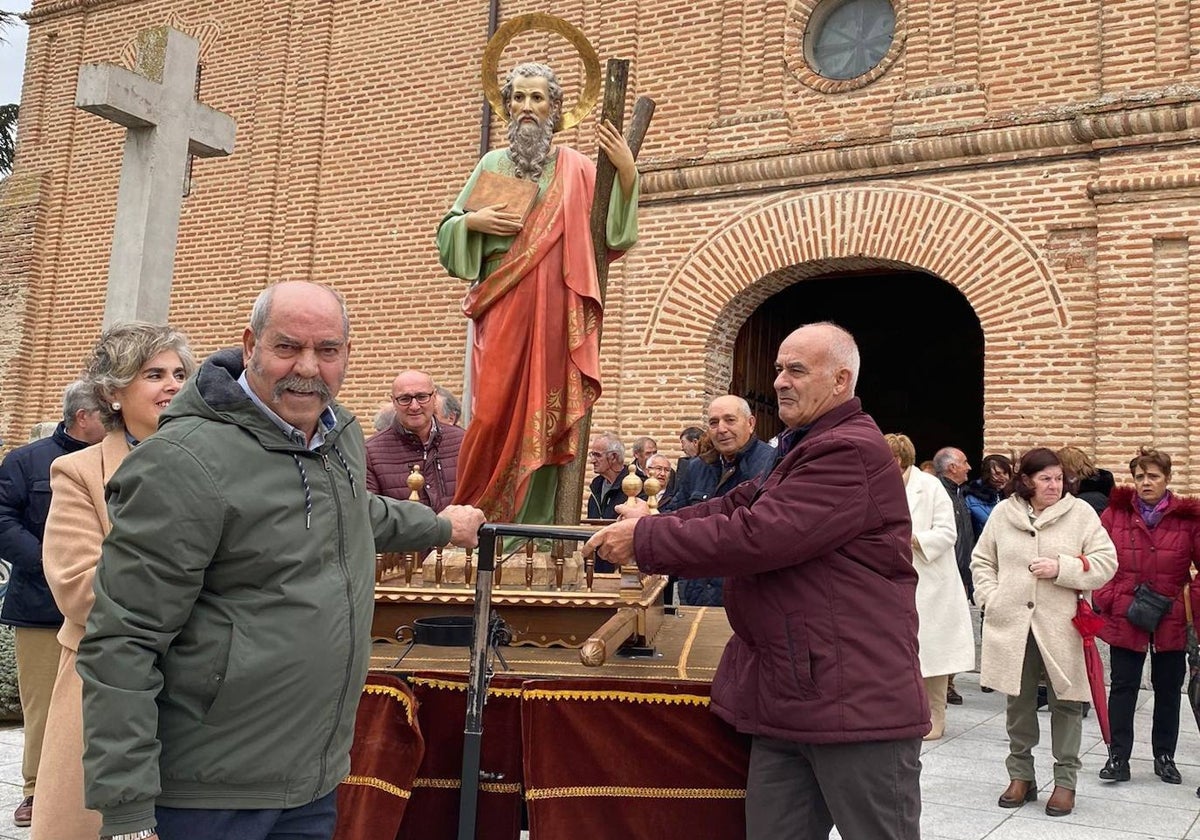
x: 8, y: 137
x: 8, y: 113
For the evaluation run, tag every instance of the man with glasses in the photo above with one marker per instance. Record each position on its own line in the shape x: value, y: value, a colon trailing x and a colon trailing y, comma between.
x: 415, y: 437
x: 607, y: 456
x: 659, y: 467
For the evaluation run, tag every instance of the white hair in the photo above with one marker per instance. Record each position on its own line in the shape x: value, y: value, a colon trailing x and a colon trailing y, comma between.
x: 743, y: 407
x: 612, y: 443
x: 842, y: 350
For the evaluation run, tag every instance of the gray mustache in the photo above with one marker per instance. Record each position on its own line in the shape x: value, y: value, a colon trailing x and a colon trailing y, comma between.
x: 302, y: 385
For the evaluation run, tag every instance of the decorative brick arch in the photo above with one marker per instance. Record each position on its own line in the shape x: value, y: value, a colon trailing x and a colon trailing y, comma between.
x: 775, y: 243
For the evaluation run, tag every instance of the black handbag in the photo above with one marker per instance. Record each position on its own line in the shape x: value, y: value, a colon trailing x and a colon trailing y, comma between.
x: 1148, y: 607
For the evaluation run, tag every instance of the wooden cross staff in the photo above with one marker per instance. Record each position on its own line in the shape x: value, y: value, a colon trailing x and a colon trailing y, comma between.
x: 570, y: 478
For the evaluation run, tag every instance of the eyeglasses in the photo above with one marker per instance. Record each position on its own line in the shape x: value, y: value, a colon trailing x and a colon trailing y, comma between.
x: 407, y: 399
x: 594, y: 454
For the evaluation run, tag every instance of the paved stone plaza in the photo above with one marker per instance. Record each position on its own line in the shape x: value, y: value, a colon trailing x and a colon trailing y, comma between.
x: 963, y: 776
x: 11, y: 739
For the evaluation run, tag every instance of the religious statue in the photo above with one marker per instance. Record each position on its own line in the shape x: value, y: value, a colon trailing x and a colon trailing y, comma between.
x: 534, y: 299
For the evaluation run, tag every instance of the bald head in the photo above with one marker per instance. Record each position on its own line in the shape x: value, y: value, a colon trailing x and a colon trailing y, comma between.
x: 730, y: 424
x: 413, y: 393
x: 295, y: 350
x: 292, y: 290
x: 817, y: 369
x: 951, y: 463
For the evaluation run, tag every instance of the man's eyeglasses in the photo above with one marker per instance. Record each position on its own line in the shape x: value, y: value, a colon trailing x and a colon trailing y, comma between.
x: 594, y: 454
x: 407, y: 399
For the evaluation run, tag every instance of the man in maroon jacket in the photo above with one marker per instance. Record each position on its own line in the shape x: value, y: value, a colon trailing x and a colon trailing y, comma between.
x: 415, y: 437
x: 822, y: 669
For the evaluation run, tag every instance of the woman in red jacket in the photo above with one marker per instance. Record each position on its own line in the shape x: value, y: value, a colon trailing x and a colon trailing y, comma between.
x: 1157, y: 535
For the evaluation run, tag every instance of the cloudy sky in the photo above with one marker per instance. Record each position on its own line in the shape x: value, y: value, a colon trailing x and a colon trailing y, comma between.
x: 12, y: 53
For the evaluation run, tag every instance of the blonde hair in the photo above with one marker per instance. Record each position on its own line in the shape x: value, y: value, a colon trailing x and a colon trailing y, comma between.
x: 119, y: 355
x: 902, y: 449
x: 1077, y: 462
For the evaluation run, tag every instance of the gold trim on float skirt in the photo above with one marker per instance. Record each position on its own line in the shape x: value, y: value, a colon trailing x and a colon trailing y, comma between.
x: 378, y: 784
x: 395, y: 694
x: 455, y: 784
x: 450, y: 685
x: 640, y: 792
x: 622, y: 696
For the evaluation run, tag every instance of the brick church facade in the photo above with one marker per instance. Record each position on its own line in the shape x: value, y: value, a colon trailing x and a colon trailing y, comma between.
x: 999, y: 201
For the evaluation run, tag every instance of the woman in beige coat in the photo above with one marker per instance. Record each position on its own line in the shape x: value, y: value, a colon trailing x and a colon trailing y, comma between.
x: 945, y: 635
x: 135, y: 369
x: 1039, y: 551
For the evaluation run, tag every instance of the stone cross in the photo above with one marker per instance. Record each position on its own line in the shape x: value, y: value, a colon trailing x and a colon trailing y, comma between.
x: 157, y: 103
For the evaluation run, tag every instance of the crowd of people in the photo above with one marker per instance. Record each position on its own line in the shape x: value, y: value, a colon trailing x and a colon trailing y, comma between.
x: 144, y: 677
x: 1024, y: 541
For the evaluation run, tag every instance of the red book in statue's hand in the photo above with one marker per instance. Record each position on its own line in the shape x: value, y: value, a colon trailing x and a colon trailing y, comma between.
x: 492, y: 188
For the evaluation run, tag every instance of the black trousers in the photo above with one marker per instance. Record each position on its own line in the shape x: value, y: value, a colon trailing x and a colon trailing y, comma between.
x: 314, y: 821
x: 1167, y: 669
x: 869, y: 790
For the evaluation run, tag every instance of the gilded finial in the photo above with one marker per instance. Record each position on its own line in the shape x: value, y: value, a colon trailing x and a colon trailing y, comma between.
x: 631, y: 486
x: 415, y: 482
x: 653, y: 486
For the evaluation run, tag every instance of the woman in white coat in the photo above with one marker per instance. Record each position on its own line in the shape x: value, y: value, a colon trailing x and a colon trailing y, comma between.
x: 1039, y: 552
x: 946, y: 638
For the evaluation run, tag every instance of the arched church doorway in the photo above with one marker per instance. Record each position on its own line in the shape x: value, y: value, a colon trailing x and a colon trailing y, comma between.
x: 921, y: 345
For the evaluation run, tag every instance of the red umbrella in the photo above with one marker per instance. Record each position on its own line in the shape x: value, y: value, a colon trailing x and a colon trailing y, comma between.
x: 1088, y: 624
x: 1193, y: 657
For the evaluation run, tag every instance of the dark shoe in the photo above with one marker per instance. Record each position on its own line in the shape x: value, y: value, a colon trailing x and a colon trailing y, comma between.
x: 23, y: 816
x: 1019, y: 792
x: 986, y: 689
x: 1115, y: 770
x: 953, y: 697
x: 1165, y: 769
x: 1061, y: 802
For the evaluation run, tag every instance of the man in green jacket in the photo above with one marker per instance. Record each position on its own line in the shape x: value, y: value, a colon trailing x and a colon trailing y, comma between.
x: 229, y: 641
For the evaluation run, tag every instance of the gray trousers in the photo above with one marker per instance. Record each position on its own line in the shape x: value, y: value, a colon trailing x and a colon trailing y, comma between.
x: 869, y: 790
x: 1066, y: 726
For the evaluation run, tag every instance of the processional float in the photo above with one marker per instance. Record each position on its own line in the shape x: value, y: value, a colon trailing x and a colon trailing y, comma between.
x: 549, y: 594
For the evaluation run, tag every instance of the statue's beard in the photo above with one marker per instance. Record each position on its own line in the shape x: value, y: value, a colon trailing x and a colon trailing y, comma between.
x: 529, y: 146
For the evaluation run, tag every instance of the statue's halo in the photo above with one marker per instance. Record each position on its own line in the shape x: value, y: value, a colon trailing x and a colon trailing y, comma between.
x: 539, y: 20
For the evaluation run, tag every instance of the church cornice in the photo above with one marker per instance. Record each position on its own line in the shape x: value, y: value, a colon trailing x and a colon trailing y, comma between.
x: 1170, y: 117
x: 58, y: 8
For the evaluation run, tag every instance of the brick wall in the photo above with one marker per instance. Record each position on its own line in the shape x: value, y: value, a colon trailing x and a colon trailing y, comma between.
x: 1039, y: 156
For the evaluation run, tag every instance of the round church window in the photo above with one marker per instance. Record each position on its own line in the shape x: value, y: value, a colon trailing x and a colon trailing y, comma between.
x: 846, y: 39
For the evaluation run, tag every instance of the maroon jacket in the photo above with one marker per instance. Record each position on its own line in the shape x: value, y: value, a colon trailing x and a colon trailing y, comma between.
x: 1161, y: 557
x: 392, y: 452
x: 820, y: 589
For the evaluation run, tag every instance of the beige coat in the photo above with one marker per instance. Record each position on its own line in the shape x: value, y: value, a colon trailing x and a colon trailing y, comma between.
x: 1017, y: 603
x: 945, y: 634
x: 75, y: 528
